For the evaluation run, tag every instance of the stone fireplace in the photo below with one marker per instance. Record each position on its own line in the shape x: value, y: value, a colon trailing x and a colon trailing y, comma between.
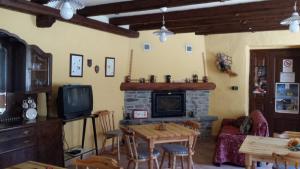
x: 173, y: 105
x: 195, y: 101
x: 168, y: 104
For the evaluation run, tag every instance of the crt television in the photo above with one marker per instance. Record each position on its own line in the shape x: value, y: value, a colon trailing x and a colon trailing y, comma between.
x: 74, y: 101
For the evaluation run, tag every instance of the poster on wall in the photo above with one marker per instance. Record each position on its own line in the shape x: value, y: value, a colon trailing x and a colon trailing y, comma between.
x: 287, y: 65
x: 287, y: 98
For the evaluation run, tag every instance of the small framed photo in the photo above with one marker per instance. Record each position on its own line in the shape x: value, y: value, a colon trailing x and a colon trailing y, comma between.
x: 147, y: 47
x: 188, y: 48
x: 109, y: 67
x: 140, y: 114
x: 76, y: 65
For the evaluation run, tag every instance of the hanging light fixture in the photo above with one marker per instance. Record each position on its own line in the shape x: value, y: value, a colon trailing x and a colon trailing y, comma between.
x: 293, y: 21
x: 67, y: 7
x: 163, y: 33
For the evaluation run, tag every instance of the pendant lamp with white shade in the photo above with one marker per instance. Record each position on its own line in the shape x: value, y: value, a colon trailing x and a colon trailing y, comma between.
x: 67, y: 7
x: 293, y: 21
x: 163, y: 33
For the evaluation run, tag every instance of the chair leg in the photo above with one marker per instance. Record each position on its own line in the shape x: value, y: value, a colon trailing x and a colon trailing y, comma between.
x: 169, y: 165
x: 182, y: 162
x: 192, y: 163
x: 136, y: 165
x: 113, y: 145
x: 103, y: 145
x: 118, y: 148
x: 156, y: 162
x: 162, y: 160
x: 129, y: 162
x: 174, y: 162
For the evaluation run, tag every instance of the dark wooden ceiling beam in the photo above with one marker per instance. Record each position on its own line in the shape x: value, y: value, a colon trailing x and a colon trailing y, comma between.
x: 230, y: 28
x: 40, y: 1
x: 137, y: 5
x: 223, y: 19
x: 239, y: 30
x: 37, y: 9
x: 43, y: 21
x: 206, y: 12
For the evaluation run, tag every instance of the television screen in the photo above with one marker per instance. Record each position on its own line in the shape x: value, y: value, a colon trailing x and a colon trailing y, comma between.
x: 75, y: 101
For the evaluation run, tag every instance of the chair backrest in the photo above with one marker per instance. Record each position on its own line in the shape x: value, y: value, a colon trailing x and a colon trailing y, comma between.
x: 131, y: 143
x: 194, y: 126
x: 106, y: 119
x: 287, y: 135
x: 99, y: 162
x: 259, y: 124
x: 288, y: 160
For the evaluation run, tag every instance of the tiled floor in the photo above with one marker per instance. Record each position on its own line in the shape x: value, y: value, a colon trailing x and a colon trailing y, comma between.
x: 202, y: 158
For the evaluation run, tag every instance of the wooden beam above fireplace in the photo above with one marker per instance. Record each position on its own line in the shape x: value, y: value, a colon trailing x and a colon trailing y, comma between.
x: 167, y: 86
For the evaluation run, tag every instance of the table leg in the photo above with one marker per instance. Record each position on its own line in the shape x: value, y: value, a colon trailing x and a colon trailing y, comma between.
x: 151, y: 147
x: 254, y: 163
x: 190, y: 144
x: 248, y: 161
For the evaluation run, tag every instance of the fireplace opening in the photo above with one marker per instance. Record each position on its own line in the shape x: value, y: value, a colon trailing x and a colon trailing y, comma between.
x: 168, y: 104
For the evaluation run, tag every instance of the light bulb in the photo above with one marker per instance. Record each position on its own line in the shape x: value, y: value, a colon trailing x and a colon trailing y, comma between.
x: 66, y: 11
x: 294, y: 27
x: 163, y: 37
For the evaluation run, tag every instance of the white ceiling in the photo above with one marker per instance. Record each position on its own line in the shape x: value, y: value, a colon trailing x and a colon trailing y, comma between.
x: 98, y: 2
x: 181, y: 8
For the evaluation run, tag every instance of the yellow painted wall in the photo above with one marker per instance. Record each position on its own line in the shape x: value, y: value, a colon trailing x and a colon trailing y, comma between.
x: 164, y: 58
x: 168, y: 58
x: 226, y: 103
x: 61, y: 40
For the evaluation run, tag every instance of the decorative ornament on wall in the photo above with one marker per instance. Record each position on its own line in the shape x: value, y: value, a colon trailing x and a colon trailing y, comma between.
x: 89, y: 62
x: 224, y: 63
x: 97, y: 69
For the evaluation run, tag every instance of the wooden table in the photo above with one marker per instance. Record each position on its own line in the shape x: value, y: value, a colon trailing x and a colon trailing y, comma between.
x: 34, y: 165
x: 173, y: 133
x: 261, y: 149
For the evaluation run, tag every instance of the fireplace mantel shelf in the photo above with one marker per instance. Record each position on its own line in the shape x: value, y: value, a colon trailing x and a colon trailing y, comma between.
x: 167, y: 86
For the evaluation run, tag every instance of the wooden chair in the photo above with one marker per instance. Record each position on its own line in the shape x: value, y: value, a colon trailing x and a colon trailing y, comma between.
x: 180, y: 150
x: 137, y: 153
x: 287, y: 134
x: 106, y: 119
x: 286, y: 161
x: 97, y: 162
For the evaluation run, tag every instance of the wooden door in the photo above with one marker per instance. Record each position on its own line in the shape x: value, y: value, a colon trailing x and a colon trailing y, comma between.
x: 265, y: 69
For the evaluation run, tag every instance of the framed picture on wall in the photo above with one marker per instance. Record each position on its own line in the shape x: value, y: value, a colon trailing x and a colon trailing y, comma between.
x: 287, y: 98
x: 109, y: 67
x: 76, y: 65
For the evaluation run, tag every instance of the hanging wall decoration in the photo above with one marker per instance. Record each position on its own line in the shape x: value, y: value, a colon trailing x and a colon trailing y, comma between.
x: 76, y: 65
x: 109, y: 67
x: 224, y: 63
x: 97, y: 68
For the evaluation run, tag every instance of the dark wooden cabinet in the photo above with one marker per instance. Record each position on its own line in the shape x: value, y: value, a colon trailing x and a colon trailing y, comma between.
x: 25, y: 71
x: 38, y: 141
x: 38, y: 70
x: 265, y: 68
